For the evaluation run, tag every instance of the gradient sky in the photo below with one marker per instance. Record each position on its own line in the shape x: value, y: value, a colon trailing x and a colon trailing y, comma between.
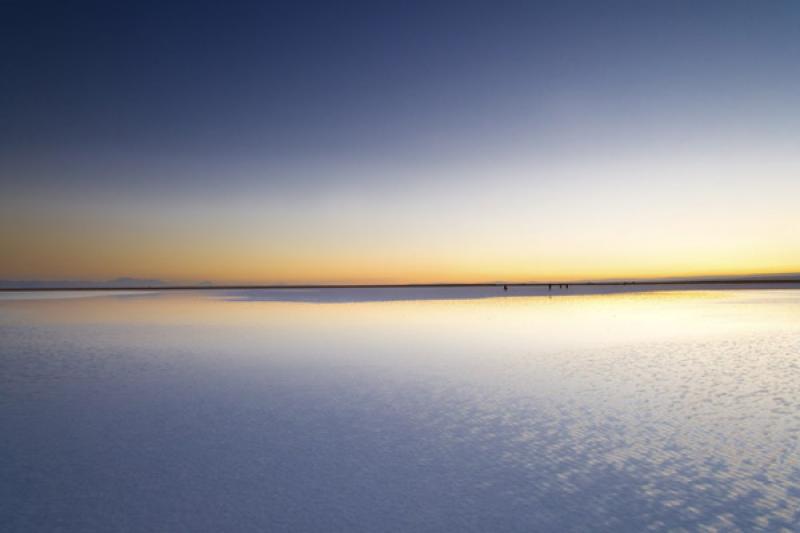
x: 398, y: 142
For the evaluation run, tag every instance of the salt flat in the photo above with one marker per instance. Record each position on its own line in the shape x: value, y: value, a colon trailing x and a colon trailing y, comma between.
x: 223, y: 411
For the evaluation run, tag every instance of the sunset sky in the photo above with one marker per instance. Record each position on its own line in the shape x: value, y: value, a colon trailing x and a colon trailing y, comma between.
x: 398, y: 142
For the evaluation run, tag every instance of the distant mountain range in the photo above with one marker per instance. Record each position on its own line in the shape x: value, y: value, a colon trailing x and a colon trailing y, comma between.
x: 738, y: 277
x: 116, y: 283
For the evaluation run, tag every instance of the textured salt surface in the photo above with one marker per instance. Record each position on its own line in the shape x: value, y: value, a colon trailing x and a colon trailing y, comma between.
x: 191, y: 412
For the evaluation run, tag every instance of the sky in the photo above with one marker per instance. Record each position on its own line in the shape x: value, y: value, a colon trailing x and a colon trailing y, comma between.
x: 397, y: 142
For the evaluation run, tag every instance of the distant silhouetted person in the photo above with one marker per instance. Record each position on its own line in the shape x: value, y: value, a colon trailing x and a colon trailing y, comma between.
x: 505, y: 287
x: 549, y: 286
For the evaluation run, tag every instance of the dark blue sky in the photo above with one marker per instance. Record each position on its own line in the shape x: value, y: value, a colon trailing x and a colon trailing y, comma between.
x: 304, y: 78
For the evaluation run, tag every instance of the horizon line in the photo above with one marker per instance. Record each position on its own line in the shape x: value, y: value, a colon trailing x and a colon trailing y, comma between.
x: 696, y: 281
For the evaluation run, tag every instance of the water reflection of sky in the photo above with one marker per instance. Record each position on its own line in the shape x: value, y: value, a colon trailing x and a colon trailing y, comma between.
x: 193, y: 411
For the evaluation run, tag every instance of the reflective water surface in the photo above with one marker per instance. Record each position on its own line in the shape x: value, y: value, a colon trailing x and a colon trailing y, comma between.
x: 216, y: 411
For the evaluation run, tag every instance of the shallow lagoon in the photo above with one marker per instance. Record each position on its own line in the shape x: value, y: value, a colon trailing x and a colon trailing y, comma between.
x: 212, y: 411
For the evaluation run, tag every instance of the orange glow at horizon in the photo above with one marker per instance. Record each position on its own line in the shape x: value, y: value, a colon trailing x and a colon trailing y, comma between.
x: 592, y: 221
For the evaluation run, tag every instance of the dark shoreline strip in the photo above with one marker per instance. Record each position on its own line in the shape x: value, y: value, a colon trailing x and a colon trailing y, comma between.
x: 407, y: 286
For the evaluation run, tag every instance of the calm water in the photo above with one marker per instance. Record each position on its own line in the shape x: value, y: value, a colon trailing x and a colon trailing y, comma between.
x: 245, y: 411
